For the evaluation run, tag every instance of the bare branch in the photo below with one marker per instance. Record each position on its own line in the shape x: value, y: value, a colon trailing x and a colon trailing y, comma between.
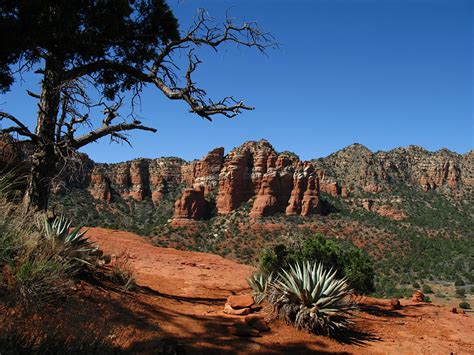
x: 163, y: 72
x: 108, y: 130
x: 20, y: 129
x: 32, y: 94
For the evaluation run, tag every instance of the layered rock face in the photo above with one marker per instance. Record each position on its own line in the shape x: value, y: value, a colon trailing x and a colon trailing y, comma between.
x: 192, y: 205
x: 256, y: 170
x: 357, y: 168
x: 205, y: 172
x: 138, y: 179
x: 272, y: 182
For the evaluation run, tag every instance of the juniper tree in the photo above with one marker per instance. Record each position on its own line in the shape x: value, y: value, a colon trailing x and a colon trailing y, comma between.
x: 117, y: 47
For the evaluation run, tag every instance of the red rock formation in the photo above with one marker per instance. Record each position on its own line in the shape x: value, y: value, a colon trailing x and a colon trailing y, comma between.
x: 310, y: 203
x: 383, y: 210
x: 344, y: 192
x: 296, y: 197
x: 99, y: 186
x: 164, y: 175
x: 204, y: 172
x: 191, y: 205
x: 372, y: 188
x: 267, y: 201
x: 139, y: 179
x: 234, y: 183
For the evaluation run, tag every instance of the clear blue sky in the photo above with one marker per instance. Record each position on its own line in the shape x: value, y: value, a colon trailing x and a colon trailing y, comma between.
x: 380, y: 73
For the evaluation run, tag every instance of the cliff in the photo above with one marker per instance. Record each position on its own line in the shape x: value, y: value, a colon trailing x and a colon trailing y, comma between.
x: 274, y: 182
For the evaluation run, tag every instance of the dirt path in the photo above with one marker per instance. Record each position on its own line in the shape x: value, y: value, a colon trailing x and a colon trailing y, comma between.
x: 186, y: 298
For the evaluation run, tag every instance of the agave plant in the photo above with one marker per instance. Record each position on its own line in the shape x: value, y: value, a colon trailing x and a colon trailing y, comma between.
x: 310, y: 297
x: 72, y: 244
x: 259, y: 282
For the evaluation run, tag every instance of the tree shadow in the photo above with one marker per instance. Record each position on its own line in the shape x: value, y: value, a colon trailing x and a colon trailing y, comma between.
x: 378, y: 311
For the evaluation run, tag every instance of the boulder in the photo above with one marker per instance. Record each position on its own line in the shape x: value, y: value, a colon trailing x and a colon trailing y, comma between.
x: 228, y: 309
x: 240, y: 301
x: 418, y: 296
x: 395, y: 304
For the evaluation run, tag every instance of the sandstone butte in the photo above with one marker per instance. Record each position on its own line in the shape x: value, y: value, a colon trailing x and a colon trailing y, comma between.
x: 271, y: 182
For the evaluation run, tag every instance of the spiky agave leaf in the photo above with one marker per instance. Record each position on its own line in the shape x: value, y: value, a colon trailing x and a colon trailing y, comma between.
x: 310, y: 297
x: 74, y: 245
x: 259, y: 282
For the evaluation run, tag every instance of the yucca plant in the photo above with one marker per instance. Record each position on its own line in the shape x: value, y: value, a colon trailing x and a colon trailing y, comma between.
x: 310, y: 297
x: 259, y: 282
x: 71, y: 244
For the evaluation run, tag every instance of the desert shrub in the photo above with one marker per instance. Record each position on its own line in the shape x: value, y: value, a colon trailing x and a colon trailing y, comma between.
x: 427, y: 289
x: 346, y: 259
x: 427, y: 299
x: 39, y: 259
x: 310, y: 297
x: 472, y: 289
x: 464, y: 305
x: 123, y: 272
x: 70, y: 245
x: 459, y: 282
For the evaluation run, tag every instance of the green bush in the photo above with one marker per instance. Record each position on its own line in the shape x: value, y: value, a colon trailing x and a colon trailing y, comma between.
x: 427, y: 289
x: 459, y: 282
x: 349, y: 261
x: 39, y: 259
x: 464, y: 305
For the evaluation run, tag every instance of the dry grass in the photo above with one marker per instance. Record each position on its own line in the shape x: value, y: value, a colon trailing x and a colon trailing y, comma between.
x: 122, y: 271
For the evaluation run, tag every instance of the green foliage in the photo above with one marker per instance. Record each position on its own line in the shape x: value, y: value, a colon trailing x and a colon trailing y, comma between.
x: 427, y: 289
x: 347, y: 260
x: 76, y: 33
x: 311, y: 297
x: 71, y: 245
x: 459, y: 282
x: 464, y: 305
x: 259, y: 282
x: 39, y: 259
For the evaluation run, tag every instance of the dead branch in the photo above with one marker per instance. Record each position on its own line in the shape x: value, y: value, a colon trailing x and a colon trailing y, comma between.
x: 163, y: 72
x: 21, y: 129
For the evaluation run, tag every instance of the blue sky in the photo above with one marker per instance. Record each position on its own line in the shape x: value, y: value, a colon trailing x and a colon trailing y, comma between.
x: 381, y: 73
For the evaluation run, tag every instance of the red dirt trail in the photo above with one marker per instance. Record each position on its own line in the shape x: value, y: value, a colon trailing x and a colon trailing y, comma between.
x: 186, y: 296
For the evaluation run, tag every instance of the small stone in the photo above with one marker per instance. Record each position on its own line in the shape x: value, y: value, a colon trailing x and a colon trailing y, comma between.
x: 395, y: 304
x: 240, y: 301
x: 418, y: 296
x: 454, y: 310
x: 228, y: 309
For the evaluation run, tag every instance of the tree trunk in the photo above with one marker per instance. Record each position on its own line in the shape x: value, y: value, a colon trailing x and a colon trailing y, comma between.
x: 44, y: 157
x: 42, y: 171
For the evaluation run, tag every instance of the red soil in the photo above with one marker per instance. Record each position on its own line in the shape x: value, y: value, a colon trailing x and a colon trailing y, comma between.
x: 190, y: 288
x: 181, y: 301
